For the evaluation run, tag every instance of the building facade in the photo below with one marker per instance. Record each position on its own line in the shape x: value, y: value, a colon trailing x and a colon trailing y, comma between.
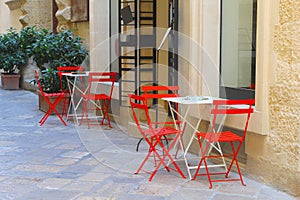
x: 272, y: 146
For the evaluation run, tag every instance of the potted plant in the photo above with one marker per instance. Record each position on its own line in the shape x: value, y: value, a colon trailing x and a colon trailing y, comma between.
x: 61, y: 49
x: 53, y: 50
x: 12, y: 59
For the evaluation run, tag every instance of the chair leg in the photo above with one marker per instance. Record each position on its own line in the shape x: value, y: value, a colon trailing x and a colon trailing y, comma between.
x: 103, y: 111
x: 198, y: 169
x: 166, y: 154
x: 47, y: 114
x: 144, y: 161
x: 203, y: 159
x: 234, y: 159
x: 150, y: 150
x: 158, y: 165
x: 179, y: 145
x: 172, y: 160
x: 52, y: 107
x: 45, y: 117
x: 106, y: 104
x: 66, y: 105
x: 207, y: 173
x: 85, y: 113
x: 56, y: 112
x: 61, y: 119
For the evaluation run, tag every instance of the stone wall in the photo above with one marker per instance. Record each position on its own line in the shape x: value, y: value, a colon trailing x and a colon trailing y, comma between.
x: 63, y: 16
x: 37, y: 13
x: 278, y: 162
x: 9, y: 15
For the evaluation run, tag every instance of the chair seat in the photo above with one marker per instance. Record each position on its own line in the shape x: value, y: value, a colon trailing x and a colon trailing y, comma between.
x: 54, y: 94
x: 178, y: 122
x: 227, y: 136
x: 161, y: 131
x: 96, y: 96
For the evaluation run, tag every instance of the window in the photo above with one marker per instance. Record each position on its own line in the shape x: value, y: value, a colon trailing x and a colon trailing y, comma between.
x: 238, y: 48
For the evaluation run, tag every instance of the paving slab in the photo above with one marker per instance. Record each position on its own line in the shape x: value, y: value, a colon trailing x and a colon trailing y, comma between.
x: 69, y: 162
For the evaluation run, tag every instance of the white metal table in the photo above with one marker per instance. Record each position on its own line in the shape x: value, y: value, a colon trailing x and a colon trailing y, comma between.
x: 72, y: 80
x: 189, y: 101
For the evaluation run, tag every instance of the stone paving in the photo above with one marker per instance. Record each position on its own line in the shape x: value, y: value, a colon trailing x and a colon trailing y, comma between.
x: 59, y: 163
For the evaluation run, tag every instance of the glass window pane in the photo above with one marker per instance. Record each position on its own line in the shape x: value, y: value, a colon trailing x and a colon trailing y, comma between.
x: 238, y: 43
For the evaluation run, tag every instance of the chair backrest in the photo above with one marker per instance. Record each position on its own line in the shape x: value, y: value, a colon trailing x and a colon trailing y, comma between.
x: 66, y: 69
x: 39, y: 84
x: 139, y: 107
x: 232, y: 107
x: 158, y: 92
x: 102, y: 77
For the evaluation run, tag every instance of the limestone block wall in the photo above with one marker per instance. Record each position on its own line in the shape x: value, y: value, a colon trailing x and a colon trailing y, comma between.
x: 278, y: 163
x: 37, y: 13
x: 285, y: 95
x: 63, y: 16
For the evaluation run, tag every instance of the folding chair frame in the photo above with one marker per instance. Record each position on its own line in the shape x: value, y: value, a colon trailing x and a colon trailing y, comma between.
x: 155, y: 93
x: 226, y: 107
x: 95, y: 98
x: 153, y: 137
x: 52, y: 106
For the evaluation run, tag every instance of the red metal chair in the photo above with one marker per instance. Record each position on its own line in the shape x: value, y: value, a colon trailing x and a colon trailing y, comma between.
x: 206, y: 140
x: 155, y: 93
x: 52, y: 106
x: 104, y: 83
x: 153, y: 137
x: 61, y: 70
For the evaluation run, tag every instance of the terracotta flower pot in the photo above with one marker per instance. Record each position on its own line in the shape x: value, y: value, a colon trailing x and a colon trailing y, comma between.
x: 10, y: 81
